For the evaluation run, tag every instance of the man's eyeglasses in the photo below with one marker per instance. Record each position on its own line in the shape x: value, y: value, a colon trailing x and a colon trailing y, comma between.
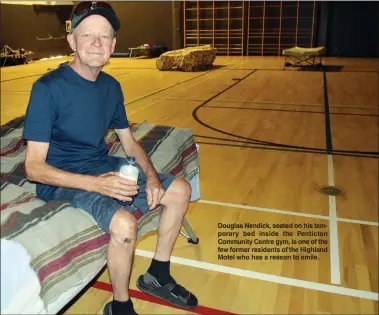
x: 87, y: 6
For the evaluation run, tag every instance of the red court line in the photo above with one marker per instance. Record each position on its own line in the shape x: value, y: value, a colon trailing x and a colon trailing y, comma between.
x: 145, y: 297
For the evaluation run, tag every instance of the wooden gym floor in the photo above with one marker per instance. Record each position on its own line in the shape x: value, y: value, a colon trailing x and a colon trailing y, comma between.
x: 264, y: 136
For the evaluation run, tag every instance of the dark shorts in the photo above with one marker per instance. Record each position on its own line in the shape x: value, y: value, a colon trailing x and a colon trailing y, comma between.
x: 102, y: 208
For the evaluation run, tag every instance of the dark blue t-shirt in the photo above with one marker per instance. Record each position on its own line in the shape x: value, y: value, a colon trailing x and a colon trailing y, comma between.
x: 74, y: 114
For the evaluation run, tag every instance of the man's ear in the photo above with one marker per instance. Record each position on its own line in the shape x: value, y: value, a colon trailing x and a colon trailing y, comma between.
x: 71, y: 41
x: 113, y: 44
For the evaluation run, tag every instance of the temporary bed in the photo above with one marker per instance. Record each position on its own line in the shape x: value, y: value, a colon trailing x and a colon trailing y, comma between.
x: 188, y: 59
x: 51, y: 251
x: 303, y: 56
x: 9, y: 56
x: 147, y: 51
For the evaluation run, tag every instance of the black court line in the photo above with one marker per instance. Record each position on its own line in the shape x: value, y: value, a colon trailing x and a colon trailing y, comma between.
x: 177, y: 99
x: 288, y: 110
x: 28, y: 76
x: 354, y: 114
x: 272, y: 109
x: 164, y: 89
x: 360, y: 71
x: 294, y: 149
x: 242, y: 102
x: 332, y: 107
x: 267, y: 143
x: 117, y: 68
x: 306, y: 71
x: 169, y: 87
x: 15, y: 92
x: 265, y: 147
x: 295, y: 104
x: 41, y: 74
x: 269, y: 103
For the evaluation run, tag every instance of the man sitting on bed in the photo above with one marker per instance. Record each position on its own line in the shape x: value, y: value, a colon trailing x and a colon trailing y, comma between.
x: 70, y: 110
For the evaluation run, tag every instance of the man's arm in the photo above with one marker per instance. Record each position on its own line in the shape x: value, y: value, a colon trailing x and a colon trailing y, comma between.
x: 37, y: 170
x: 40, y: 115
x: 133, y: 148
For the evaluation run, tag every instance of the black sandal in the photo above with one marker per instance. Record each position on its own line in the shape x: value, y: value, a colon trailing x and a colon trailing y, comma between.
x: 172, y: 292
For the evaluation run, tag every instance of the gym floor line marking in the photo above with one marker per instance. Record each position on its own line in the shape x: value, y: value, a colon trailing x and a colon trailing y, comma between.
x: 196, y: 83
x: 185, y: 88
x: 147, y: 96
x: 287, y: 212
x: 145, y: 297
x: 296, y: 104
x: 326, y: 69
x: 177, y: 99
x: 267, y: 277
x: 266, y: 103
x: 131, y: 76
x: 240, y: 144
x: 166, y: 88
x: 244, y: 101
x: 286, y: 110
x: 335, y: 271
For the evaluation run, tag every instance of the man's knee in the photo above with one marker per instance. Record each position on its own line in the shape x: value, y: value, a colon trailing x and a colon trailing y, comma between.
x: 184, y: 188
x: 179, y: 192
x: 123, y: 227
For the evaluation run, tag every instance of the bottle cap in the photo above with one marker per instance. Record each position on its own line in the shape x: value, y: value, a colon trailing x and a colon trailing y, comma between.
x: 131, y: 159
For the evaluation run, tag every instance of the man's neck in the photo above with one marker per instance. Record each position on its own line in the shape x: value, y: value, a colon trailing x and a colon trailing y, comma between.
x: 89, y: 73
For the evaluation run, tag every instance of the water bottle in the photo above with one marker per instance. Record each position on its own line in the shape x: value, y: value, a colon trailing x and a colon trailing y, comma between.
x: 129, y: 171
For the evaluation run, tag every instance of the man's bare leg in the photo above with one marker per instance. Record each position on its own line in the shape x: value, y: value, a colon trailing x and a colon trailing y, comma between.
x: 123, y: 231
x: 176, y: 202
x: 158, y: 275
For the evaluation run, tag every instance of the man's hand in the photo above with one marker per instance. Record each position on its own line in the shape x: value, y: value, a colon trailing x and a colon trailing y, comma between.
x: 154, y: 191
x: 112, y: 185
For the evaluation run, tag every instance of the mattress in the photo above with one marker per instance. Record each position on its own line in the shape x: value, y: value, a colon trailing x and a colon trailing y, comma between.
x: 20, y: 291
x: 301, y: 51
x: 65, y: 257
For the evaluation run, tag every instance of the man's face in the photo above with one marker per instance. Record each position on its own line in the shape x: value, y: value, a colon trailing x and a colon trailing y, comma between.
x: 93, y: 41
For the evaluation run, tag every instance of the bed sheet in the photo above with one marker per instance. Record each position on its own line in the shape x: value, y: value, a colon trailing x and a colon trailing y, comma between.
x: 66, y: 256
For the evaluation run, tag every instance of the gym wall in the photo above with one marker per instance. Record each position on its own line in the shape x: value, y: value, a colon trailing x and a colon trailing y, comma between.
x: 347, y: 29
x: 22, y: 24
x: 353, y: 29
x: 144, y: 22
x: 141, y: 23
